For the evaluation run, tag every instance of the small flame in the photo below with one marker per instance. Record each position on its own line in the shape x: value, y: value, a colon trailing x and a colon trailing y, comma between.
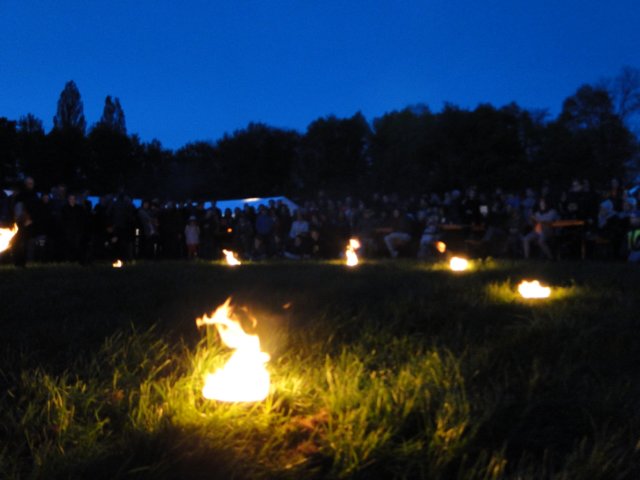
x: 533, y: 289
x: 6, y: 235
x: 441, y: 247
x: 232, y: 260
x: 117, y: 264
x: 350, y: 252
x: 458, y: 264
x: 244, y: 378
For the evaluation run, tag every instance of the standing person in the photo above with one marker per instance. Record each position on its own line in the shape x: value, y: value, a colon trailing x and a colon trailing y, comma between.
x: 123, y: 215
x: 263, y: 239
x: 243, y: 235
x: 5, y: 210
x: 171, y: 231
x: 541, y: 219
x: 25, y: 204
x: 43, y: 229
x: 73, y: 227
x: 207, y: 230
x: 100, y: 224
x: 149, y: 223
x: 192, y: 237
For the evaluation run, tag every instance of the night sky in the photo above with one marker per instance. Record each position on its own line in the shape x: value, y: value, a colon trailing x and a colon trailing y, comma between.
x: 193, y: 70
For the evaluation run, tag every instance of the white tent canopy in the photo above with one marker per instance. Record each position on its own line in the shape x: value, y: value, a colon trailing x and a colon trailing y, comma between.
x: 224, y: 204
x: 253, y: 202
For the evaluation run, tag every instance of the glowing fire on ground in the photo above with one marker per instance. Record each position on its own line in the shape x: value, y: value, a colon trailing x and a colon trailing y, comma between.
x: 350, y: 252
x: 441, y: 247
x: 117, y: 264
x: 231, y: 258
x: 244, y: 378
x: 533, y: 289
x: 458, y: 264
x: 6, y: 235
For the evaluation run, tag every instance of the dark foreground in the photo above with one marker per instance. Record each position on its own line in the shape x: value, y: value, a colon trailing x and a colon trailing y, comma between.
x: 394, y: 370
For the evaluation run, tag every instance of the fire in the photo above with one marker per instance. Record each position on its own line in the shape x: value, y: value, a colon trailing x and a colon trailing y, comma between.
x: 458, y: 264
x: 117, y: 264
x: 232, y: 260
x: 533, y: 289
x: 6, y: 235
x: 350, y: 252
x: 244, y: 378
x: 441, y: 247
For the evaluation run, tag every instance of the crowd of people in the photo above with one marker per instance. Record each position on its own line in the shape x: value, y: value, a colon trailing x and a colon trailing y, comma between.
x: 550, y: 223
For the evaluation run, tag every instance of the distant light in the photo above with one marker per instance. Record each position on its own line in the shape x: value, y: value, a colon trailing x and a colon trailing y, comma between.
x: 350, y: 253
x: 441, y: 247
x: 232, y: 259
x: 458, y: 264
x: 253, y: 199
x: 533, y: 289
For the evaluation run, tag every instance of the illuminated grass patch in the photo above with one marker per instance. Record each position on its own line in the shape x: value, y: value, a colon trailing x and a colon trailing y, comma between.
x: 392, y: 370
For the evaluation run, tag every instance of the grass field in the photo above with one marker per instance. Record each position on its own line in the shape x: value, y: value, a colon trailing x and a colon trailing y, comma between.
x: 391, y: 370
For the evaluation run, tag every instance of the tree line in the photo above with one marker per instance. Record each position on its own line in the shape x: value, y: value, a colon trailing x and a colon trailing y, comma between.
x: 411, y: 150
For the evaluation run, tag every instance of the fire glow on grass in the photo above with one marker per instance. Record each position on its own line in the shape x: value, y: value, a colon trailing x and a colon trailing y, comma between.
x: 458, y: 264
x: 6, y: 235
x: 231, y: 258
x: 533, y: 289
x: 350, y: 252
x: 244, y: 378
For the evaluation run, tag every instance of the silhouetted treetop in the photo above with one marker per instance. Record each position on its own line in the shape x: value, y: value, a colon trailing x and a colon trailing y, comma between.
x: 113, y: 116
x: 70, y: 112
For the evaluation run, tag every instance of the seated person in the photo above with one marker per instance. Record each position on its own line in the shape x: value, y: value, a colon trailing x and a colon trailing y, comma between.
x: 430, y: 235
x: 399, y: 235
x: 298, y: 248
x: 299, y: 226
x: 633, y: 237
x: 541, y: 219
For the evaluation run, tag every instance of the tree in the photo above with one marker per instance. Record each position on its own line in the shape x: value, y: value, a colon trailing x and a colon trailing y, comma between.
x: 70, y: 112
x: 334, y: 153
x: 257, y: 161
x: 196, y: 171
x: 150, y: 173
x: 625, y: 94
x: 113, y: 116
x: 589, y: 108
x: 109, y: 163
x: 32, y: 151
x: 399, y: 159
x: 589, y: 139
x: 8, y: 148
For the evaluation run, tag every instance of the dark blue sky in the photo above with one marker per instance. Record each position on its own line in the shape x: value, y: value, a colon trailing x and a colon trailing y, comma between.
x: 193, y: 70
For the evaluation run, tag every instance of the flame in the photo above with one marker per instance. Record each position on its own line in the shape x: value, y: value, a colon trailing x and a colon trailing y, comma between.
x: 232, y: 260
x: 458, y: 264
x: 117, y: 264
x: 350, y: 252
x: 441, y: 247
x: 244, y: 378
x: 533, y: 289
x: 6, y: 235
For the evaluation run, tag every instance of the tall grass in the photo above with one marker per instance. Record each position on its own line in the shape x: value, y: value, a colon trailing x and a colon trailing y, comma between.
x: 395, y: 370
